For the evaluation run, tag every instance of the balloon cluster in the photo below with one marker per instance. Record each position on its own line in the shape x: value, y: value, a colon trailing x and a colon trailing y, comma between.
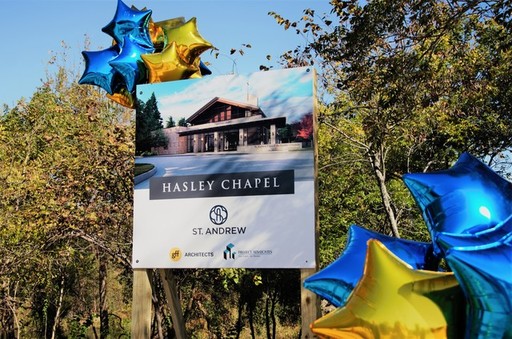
x: 389, y: 287
x: 144, y: 51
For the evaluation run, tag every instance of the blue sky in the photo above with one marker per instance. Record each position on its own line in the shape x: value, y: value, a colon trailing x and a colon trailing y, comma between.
x: 31, y: 29
x: 280, y: 92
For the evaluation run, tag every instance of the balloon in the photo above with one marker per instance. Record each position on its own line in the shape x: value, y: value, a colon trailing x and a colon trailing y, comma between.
x: 129, y: 22
x: 467, y: 198
x: 131, y: 60
x: 129, y: 63
x: 98, y: 70
x: 171, y: 23
x: 479, y: 240
x: 336, y: 281
x: 393, y: 300
x: 485, y: 275
x: 160, y: 39
x: 156, y: 35
x: 123, y: 97
x: 189, y: 43
x: 204, y: 70
x: 167, y: 66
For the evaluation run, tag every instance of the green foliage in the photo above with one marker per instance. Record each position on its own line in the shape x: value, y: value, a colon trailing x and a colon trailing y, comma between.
x: 148, y: 133
x: 170, y: 122
x: 182, y: 122
x: 409, y: 85
x: 66, y: 185
x: 142, y: 168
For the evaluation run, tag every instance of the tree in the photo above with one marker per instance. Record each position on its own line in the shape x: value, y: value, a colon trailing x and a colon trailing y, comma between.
x: 305, y: 127
x: 148, y: 131
x: 170, y: 122
x: 182, y: 122
x: 414, y: 84
x: 65, y: 212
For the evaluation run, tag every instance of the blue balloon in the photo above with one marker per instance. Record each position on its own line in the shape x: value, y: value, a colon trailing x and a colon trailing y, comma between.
x: 474, y: 241
x: 129, y: 22
x: 485, y: 275
x: 130, y: 64
x: 204, y: 70
x: 336, y: 281
x: 467, y: 198
x: 98, y: 71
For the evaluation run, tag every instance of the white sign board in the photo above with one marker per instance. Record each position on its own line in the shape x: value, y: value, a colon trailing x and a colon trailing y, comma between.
x: 235, y: 187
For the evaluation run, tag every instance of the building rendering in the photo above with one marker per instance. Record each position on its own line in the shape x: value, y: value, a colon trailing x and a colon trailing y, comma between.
x: 223, y: 125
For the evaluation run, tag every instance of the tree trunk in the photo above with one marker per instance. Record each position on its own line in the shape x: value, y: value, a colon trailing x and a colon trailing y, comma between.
x: 155, y: 287
x: 377, y: 162
x: 171, y: 294
x: 273, y: 314
x: 16, y: 323
x: 267, y: 316
x: 59, y: 308
x: 158, y: 320
x: 239, y: 320
x: 251, y: 320
x: 104, y: 325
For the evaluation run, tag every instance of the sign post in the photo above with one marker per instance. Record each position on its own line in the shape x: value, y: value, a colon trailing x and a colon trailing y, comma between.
x: 236, y: 186
x: 141, y: 304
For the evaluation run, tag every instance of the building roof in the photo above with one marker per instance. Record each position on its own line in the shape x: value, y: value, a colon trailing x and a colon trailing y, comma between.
x: 224, y: 101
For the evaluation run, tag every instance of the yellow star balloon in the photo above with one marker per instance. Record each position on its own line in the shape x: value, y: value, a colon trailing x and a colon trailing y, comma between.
x: 123, y: 97
x: 157, y: 34
x: 167, y: 65
x: 393, y: 300
x: 189, y: 42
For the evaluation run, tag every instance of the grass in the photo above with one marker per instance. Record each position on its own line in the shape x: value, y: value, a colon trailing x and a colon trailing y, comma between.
x: 143, y: 168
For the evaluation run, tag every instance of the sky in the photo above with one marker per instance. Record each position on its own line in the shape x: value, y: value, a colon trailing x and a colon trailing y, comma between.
x: 279, y: 92
x: 32, y: 30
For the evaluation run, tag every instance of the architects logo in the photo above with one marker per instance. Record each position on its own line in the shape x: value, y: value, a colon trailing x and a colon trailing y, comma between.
x: 228, y: 252
x: 218, y: 214
x: 175, y: 254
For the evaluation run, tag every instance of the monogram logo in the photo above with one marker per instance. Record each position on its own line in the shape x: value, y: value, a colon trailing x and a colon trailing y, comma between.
x: 218, y: 214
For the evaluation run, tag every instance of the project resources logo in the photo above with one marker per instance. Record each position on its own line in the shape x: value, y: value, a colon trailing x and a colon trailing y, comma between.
x: 228, y: 252
x: 218, y: 214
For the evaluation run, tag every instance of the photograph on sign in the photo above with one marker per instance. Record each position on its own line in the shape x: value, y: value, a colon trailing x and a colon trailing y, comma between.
x: 232, y: 181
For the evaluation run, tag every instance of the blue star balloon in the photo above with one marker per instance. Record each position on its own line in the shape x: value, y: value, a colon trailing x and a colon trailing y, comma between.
x: 98, y: 70
x: 474, y: 241
x: 130, y: 22
x: 336, y: 281
x: 130, y: 64
x: 204, y: 70
x: 485, y: 276
x: 467, y: 198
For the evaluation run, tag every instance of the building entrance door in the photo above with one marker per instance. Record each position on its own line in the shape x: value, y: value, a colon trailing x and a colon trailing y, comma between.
x: 230, y: 140
x: 209, y: 142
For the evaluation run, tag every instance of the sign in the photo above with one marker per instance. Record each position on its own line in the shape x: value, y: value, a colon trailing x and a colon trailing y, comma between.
x: 235, y: 185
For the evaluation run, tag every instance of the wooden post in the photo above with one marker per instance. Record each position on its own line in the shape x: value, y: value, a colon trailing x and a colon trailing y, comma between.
x: 310, y: 305
x: 173, y: 302
x: 309, y: 301
x: 141, y: 304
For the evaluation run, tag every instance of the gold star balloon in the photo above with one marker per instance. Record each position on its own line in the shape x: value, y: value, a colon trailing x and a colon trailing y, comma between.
x: 123, y: 97
x: 157, y: 33
x: 172, y: 50
x: 189, y: 43
x: 167, y: 65
x: 393, y: 300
